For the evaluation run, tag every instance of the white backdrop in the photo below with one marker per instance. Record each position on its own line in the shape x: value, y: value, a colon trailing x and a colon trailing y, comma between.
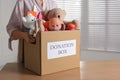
x: 6, y: 7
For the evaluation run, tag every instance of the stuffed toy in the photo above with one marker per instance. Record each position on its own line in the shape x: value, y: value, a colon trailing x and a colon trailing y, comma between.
x: 54, y: 24
x: 33, y: 22
x: 74, y: 25
x: 60, y: 14
x: 29, y: 23
x: 55, y: 13
x: 40, y: 23
x: 71, y: 26
x: 77, y: 24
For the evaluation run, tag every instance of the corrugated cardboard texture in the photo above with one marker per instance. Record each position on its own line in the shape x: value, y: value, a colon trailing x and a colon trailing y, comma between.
x: 36, y: 54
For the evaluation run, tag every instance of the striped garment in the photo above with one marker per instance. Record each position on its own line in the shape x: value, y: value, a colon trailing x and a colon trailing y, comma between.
x: 21, y: 6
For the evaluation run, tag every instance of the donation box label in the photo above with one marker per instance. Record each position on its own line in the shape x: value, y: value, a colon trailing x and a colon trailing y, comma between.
x: 61, y: 49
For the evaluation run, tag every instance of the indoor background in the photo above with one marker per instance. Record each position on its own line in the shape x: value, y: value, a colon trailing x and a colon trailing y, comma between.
x: 100, y: 28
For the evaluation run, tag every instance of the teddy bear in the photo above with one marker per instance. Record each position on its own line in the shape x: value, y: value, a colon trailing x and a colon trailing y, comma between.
x: 50, y: 16
x: 60, y: 14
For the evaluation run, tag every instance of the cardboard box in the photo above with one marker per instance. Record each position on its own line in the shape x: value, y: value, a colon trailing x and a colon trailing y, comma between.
x: 54, y: 51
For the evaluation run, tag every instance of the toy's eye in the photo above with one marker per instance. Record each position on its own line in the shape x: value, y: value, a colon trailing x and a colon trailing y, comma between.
x: 58, y: 16
x: 32, y: 20
x: 57, y: 25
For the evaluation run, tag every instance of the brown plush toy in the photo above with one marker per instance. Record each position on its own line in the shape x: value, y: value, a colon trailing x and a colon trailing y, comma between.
x: 60, y: 14
x: 56, y: 13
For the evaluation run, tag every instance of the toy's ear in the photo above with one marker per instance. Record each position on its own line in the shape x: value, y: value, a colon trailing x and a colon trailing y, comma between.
x: 24, y: 19
x: 64, y: 13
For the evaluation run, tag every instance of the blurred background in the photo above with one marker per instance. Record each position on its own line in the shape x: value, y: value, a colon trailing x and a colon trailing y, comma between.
x: 100, y: 28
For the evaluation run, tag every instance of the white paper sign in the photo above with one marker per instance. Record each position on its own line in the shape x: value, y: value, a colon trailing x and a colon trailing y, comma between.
x: 61, y: 49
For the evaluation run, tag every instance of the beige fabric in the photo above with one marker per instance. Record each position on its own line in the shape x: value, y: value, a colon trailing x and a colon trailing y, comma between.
x: 15, y: 22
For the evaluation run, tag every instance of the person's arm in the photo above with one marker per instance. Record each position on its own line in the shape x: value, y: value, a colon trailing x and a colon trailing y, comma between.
x: 17, y: 34
x: 14, y: 27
